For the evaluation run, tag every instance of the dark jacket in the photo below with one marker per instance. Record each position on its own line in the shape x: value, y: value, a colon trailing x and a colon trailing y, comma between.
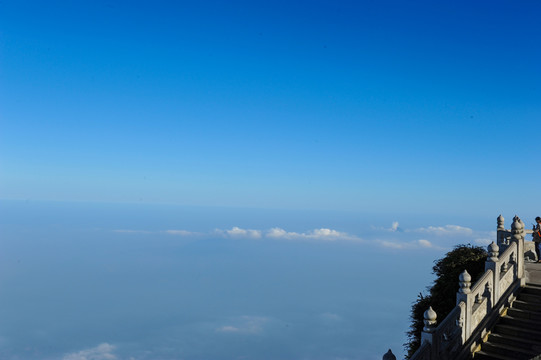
x: 537, y: 233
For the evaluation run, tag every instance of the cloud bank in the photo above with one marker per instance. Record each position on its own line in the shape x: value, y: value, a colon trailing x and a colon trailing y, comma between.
x: 237, y: 232
x: 316, y: 234
x: 276, y: 233
x: 445, y: 230
x: 393, y: 237
x: 244, y: 325
x: 431, y: 237
x: 101, y: 352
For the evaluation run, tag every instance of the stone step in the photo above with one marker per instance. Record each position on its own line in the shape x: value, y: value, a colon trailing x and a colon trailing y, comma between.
x: 519, y: 304
x: 508, y: 350
x: 524, y: 324
x: 533, y: 284
x: 530, y: 298
x: 483, y: 355
x: 532, y: 289
x: 528, y: 344
x: 529, y: 334
x: 525, y: 314
x: 516, y: 336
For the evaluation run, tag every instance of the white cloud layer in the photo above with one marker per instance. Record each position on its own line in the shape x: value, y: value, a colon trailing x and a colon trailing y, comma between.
x: 431, y: 237
x: 316, y: 234
x: 395, y: 227
x: 277, y: 233
x: 446, y: 230
x: 421, y: 243
x: 274, y: 233
x: 101, y: 352
x: 236, y: 232
x: 244, y: 325
x: 424, y: 243
x: 392, y: 244
x: 395, y: 237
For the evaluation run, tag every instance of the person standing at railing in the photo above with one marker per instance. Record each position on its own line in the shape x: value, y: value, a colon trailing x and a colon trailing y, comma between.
x: 537, y: 238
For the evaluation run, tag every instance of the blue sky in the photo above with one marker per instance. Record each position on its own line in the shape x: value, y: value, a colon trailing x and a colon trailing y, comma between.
x: 342, y: 105
x: 250, y: 127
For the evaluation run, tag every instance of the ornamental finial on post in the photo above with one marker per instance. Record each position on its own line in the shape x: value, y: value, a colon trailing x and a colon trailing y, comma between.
x: 493, y: 252
x: 464, y: 283
x: 389, y: 355
x: 430, y: 320
x: 515, y: 223
x: 517, y: 227
x: 500, y: 222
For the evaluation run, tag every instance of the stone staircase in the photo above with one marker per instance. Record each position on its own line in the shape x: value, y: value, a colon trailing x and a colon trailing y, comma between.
x: 517, y: 335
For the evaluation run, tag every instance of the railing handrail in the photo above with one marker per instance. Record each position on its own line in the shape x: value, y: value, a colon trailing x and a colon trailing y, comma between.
x: 507, y: 253
x: 449, y: 318
x: 480, y: 284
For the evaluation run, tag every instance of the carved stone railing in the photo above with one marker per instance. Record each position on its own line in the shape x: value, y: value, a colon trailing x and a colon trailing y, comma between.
x: 482, y: 298
x: 478, y: 306
x: 424, y: 352
x: 504, y: 236
x: 449, y: 334
x: 508, y: 270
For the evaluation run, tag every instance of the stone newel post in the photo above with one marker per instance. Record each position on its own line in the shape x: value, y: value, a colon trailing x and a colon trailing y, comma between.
x: 464, y: 294
x: 389, y: 355
x: 493, y: 263
x: 430, y: 325
x: 500, y: 232
x: 500, y: 222
x: 517, y: 228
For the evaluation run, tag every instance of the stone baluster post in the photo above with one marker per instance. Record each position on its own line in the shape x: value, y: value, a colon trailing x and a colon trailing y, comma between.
x: 493, y: 263
x: 500, y: 232
x: 517, y: 228
x: 464, y: 294
x: 389, y: 355
x: 430, y: 326
x: 520, y: 256
x: 500, y: 222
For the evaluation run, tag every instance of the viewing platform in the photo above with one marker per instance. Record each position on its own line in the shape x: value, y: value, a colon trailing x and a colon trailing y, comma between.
x: 533, y: 274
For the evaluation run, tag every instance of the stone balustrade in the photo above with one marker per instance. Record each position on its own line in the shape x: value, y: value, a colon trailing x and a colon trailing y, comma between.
x: 478, y: 306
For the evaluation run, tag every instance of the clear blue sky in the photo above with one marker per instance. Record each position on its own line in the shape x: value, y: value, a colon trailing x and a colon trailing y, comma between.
x: 427, y: 106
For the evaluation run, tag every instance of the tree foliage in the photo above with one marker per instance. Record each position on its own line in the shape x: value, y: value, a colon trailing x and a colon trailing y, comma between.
x: 442, y: 294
